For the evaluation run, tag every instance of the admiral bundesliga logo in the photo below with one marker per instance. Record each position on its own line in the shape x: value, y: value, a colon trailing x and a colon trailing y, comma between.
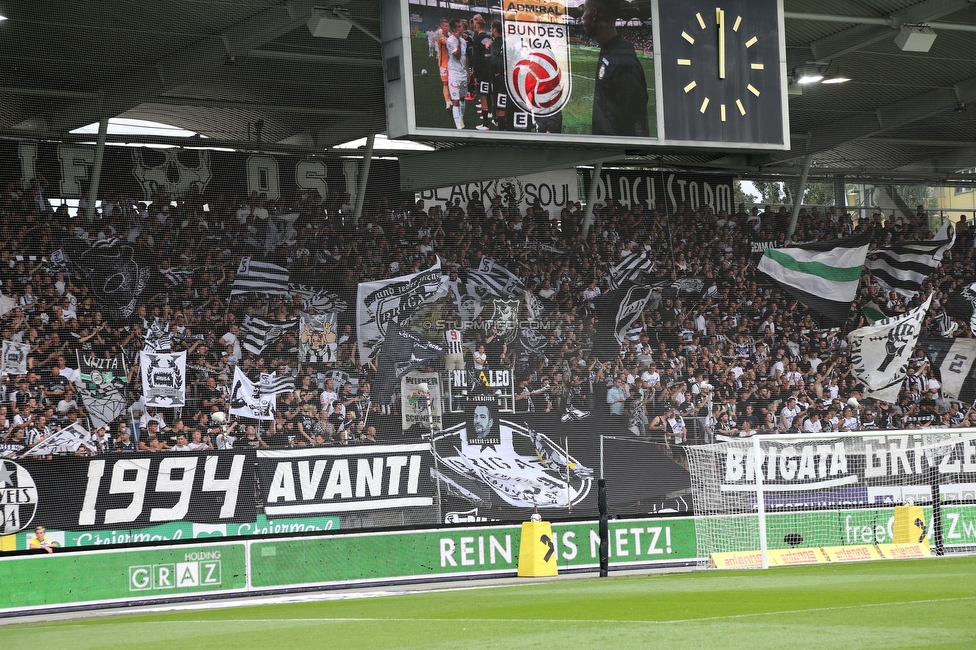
x: 18, y: 498
x: 537, y: 56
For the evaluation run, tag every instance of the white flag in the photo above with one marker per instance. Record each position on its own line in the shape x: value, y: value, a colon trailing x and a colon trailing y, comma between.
x: 163, y: 379
x: 393, y: 300
x: 880, y: 352
x: 420, y: 396
x: 248, y: 400
x: 14, y: 358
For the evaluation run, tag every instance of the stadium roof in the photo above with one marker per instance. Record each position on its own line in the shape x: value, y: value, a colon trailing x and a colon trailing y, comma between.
x: 248, y: 74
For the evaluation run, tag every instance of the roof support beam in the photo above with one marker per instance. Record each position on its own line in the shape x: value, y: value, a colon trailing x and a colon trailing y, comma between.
x: 139, y: 85
x: 167, y: 100
x: 900, y: 113
x: 862, y: 35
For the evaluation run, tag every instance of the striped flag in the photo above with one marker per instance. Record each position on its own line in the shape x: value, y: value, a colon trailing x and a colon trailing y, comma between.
x: 904, y: 267
x: 274, y: 385
x: 176, y: 275
x: 494, y: 277
x: 824, y: 276
x: 259, y: 333
x: 260, y: 277
x: 629, y: 268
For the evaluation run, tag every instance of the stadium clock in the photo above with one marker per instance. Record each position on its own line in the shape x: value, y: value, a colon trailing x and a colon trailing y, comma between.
x: 721, y: 71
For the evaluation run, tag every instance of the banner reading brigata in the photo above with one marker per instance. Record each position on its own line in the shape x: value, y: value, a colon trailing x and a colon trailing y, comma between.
x: 131, y: 490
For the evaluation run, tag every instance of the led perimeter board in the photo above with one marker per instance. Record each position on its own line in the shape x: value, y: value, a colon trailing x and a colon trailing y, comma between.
x: 694, y: 73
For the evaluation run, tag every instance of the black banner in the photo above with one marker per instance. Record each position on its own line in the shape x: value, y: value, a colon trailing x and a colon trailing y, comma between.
x: 142, y: 171
x: 341, y: 480
x: 663, y: 191
x: 503, y: 466
x: 127, y: 490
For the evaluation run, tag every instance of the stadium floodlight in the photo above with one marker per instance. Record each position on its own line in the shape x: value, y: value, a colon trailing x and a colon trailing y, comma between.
x: 2, y: 18
x: 323, y: 23
x: 808, y: 74
x: 915, y: 38
x: 835, y: 78
x: 770, y: 493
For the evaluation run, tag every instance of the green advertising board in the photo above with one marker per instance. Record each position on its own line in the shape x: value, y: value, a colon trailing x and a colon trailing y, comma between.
x: 178, y: 530
x: 119, y: 575
x: 481, y: 550
x: 175, y: 570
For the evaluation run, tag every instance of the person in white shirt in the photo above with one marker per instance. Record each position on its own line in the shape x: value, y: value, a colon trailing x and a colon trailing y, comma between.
x: 789, y: 413
x: 457, y: 71
x: 231, y: 338
x: 198, y: 443
x: 223, y: 439
x: 812, y: 423
x: 329, y: 394
x: 480, y: 358
x: 181, y: 444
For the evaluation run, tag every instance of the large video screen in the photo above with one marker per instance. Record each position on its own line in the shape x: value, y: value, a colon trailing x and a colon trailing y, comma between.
x: 587, y: 71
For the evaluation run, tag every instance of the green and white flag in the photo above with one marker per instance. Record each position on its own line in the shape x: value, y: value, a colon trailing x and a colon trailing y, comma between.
x: 824, y: 277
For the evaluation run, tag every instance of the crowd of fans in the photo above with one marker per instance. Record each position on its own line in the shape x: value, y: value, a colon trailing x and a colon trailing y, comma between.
x: 771, y: 365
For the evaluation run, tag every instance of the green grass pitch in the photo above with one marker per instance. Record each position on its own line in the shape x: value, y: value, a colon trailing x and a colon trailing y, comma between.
x: 887, y: 604
x: 431, y: 111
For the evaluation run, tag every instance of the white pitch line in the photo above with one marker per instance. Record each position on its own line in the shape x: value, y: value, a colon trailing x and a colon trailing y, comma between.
x: 561, y: 621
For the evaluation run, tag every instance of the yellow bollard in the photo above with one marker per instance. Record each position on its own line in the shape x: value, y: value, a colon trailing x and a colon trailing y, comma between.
x: 909, y: 526
x: 537, y: 550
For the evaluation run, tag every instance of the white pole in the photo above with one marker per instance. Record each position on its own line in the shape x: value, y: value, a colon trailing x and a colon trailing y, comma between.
x: 760, y: 501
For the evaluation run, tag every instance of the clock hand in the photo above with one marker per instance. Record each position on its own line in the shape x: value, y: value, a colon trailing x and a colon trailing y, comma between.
x: 720, y: 21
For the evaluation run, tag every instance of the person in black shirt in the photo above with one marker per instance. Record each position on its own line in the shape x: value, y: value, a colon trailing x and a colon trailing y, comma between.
x: 620, y: 91
x: 481, y: 65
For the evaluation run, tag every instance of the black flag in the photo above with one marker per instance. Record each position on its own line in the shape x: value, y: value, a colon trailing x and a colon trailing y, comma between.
x: 402, y: 351
x: 616, y: 312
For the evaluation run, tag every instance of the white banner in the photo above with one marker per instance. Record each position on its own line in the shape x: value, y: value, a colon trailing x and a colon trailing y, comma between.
x: 317, y: 338
x: 956, y: 365
x: 420, y: 397
x: 14, y: 358
x: 554, y: 189
x: 163, y: 379
x: 382, y: 302
x: 880, y: 352
x: 247, y: 400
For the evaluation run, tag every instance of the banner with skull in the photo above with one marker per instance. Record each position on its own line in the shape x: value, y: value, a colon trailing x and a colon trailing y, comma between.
x: 880, y: 352
x: 247, y: 399
x: 115, y: 272
x: 317, y: 342
x: 14, y: 358
x: 164, y: 379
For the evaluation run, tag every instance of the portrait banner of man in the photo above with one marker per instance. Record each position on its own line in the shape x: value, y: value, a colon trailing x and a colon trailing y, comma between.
x: 483, y: 423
